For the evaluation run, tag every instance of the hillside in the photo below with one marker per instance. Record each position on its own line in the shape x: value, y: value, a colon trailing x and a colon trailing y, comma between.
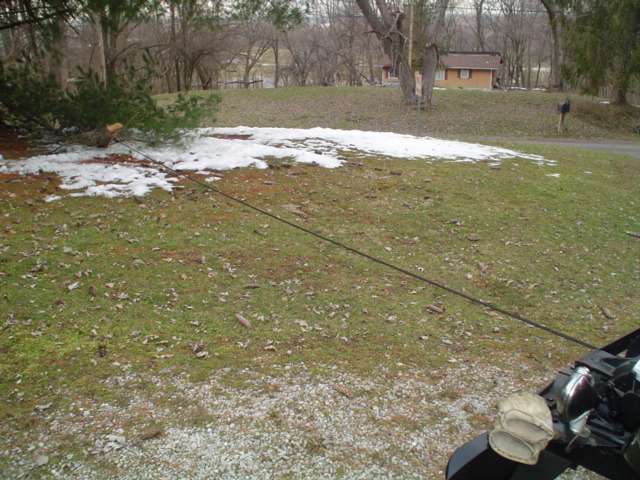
x: 462, y: 114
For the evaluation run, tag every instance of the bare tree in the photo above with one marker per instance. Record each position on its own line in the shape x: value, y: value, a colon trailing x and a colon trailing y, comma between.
x: 431, y: 54
x: 342, y: 50
x: 478, y: 7
x: 352, y: 45
x: 554, y: 12
x: 191, y: 28
x: 387, y: 21
x: 275, y: 41
x: 253, y: 40
x: 515, y: 28
x: 301, y: 49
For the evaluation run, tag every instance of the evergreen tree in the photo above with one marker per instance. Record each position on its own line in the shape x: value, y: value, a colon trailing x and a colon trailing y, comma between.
x: 31, y: 96
x: 602, y: 44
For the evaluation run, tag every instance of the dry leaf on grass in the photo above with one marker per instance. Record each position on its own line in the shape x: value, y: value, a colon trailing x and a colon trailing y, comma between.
x: 483, y: 268
x: 243, y: 321
x: 195, y: 347
x: 435, y: 309
x: 607, y: 313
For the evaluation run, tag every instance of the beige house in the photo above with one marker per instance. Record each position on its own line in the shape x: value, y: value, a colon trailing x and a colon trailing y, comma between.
x: 461, y: 70
x: 469, y: 70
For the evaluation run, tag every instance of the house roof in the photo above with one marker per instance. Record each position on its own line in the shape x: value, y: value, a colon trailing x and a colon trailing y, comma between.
x: 472, y: 60
x: 463, y: 60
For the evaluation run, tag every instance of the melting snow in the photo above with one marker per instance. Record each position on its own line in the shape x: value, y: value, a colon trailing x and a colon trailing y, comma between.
x: 84, y: 174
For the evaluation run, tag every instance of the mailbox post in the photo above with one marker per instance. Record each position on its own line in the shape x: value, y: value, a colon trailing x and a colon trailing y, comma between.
x: 563, y: 109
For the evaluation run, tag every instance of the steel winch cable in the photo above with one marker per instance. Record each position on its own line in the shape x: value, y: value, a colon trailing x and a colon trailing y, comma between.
x: 458, y: 293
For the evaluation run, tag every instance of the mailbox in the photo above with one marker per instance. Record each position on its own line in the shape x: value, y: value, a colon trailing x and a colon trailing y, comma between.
x: 564, y: 107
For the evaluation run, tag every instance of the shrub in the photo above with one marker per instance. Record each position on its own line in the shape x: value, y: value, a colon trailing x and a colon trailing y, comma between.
x: 20, y: 106
x: 607, y: 116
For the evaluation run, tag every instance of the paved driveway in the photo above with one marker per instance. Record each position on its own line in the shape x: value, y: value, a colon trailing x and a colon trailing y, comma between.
x: 625, y: 148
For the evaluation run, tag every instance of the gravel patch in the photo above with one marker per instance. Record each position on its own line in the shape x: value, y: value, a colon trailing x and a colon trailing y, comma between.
x: 292, y: 423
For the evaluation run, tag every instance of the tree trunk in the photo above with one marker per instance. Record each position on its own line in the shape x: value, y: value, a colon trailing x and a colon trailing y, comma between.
x: 372, y: 72
x: 479, y: 5
x: 388, y: 28
x: 107, y: 42
x: 620, y: 82
x: 429, y: 67
x: 247, y: 70
x: 205, y: 79
x: 174, y: 43
x: 430, y: 58
x: 394, y: 48
x: 276, y: 55
x: 553, y: 13
x: 100, y: 37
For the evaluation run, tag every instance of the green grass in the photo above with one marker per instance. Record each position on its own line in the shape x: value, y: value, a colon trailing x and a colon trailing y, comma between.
x: 178, y: 268
x: 92, y: 286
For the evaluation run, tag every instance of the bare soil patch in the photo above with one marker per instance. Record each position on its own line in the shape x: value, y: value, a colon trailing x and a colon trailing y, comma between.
x: 116, y: 159
x: 231, y: 137
x: 12, y: 145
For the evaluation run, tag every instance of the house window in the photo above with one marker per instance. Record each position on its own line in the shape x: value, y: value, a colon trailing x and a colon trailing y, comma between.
x: 464, y: 73
x: 391, y: 73
x: 439, y: 74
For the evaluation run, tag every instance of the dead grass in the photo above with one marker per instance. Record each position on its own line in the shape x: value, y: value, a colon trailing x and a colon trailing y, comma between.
x: 456, y: 113
x: 609, y: 117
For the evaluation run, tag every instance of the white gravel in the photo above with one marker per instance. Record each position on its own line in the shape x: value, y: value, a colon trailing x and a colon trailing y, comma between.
x: 293, y: 423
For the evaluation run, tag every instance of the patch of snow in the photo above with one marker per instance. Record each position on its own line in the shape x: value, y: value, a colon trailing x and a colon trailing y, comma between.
x: 95, y: 172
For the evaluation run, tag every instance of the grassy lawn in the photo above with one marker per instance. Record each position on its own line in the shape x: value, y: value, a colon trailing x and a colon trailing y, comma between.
x: 162, y: 285
x: 456, y: 113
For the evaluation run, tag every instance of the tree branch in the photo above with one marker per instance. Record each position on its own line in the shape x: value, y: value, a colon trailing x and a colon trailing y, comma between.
x: 30, y: 21
x: 371, y: 17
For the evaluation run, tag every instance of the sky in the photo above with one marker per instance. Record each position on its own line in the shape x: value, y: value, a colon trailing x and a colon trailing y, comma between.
x: 88, y: 171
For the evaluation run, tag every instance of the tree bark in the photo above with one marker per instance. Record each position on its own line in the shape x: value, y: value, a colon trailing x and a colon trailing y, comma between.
x: 174, y: 45
x: 100, y: 37
x: 620, y: 82
x: 275, y: 45
x: 479, y: 5
x: 553, y: 13
x: 393, y: 46
x: 431, y: 55
x: 107, y: 41
x: 387, y: 26
x: 429, y: 67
